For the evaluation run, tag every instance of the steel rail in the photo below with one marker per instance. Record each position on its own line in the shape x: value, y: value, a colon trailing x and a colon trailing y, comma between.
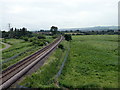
x: 26, y: 65
x: 17, y: 65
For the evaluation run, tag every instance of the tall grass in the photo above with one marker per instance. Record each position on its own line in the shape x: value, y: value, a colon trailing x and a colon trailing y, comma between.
x: 92, y: 62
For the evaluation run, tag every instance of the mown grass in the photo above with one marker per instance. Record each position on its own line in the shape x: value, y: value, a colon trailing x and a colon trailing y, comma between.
x: 92, y: 62
x: 18, y: 46
x: 44, y: 77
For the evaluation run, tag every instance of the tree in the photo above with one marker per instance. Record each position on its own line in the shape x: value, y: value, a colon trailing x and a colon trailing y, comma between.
x: 5, y: 34
x: 16, y: 33
x: 41, y: 30
x: 71, y: 31
x: 68, y: 37
x: 54, y: 30
x: 11, y: 33
x: 77, y: 31
x: 11, y: 29
x: 23, y: 31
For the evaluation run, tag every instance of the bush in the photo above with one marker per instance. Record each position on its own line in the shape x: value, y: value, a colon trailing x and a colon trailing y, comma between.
x: 61, y: 46
x: 68, y: 37
x: 38, y: 42
x: 4, y: 40
x: 41, y: 37
x: 32, y: 39
x: 55, y: 36
x: 41, y: 43
x: 24, y: 38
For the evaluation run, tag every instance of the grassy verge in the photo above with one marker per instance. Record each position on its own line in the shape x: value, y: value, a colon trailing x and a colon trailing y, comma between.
x: 18, y: 46
x: 44, y: 77
x: 92, y: 62
x: 2, y: 46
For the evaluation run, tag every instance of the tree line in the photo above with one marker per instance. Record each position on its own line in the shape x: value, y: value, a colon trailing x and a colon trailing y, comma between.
x: 22, y: 33
x: 107, y: 32
x: 16, y: 33
x: 103, y: 32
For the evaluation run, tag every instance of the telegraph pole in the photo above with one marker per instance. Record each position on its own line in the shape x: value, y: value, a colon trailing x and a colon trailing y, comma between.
x: 9, y: 26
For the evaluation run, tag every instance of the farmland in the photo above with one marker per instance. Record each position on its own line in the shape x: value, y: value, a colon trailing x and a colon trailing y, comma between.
x: 92, y: 62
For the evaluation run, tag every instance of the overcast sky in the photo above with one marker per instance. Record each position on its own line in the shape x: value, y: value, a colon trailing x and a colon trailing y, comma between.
x: 42, y: 14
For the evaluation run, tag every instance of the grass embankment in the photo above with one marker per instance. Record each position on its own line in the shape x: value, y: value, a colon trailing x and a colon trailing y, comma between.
x: 2, y: 46
x: 18, y: 46
x: 44, y: 77
x: 92, y: 62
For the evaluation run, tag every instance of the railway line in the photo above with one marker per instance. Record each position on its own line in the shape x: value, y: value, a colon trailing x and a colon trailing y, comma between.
x: 16, y: 71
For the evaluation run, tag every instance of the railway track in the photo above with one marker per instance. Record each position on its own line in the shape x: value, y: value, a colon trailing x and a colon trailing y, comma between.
x: 16, y: 71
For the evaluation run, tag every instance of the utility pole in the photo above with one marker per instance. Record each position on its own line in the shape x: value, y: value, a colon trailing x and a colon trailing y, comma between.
x: 9, y: 26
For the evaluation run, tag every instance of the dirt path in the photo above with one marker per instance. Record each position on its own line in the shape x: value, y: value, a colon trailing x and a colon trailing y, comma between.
x: 6, y: 46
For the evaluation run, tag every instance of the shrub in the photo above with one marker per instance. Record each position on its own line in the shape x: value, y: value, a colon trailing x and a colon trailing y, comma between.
x: 68, y: 37
x: 55, y: 36
x: 61, y: 46
x: 24, y: 38
x: 32, y: 39
x: 41, y: 37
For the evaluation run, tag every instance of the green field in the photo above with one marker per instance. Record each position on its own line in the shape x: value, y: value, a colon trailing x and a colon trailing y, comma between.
x: 92, y: 62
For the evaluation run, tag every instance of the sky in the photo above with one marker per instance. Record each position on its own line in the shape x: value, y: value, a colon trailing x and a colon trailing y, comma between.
x: 42, y: 14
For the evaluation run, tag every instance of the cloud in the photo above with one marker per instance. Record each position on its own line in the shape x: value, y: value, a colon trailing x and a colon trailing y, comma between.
x: 16, y: 9
x: 36, y: 14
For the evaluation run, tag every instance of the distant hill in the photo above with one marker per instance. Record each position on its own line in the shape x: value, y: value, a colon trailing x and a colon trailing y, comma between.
x: 97, y: 28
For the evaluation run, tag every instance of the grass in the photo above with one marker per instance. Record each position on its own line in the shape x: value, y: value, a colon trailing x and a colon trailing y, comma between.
x: 18, y: 46
x: 92, y: 62
x: 44, y: 77
x: 2, y: 46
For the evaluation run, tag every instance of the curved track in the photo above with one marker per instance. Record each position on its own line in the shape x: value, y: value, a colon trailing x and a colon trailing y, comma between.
x: 14, y: 72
